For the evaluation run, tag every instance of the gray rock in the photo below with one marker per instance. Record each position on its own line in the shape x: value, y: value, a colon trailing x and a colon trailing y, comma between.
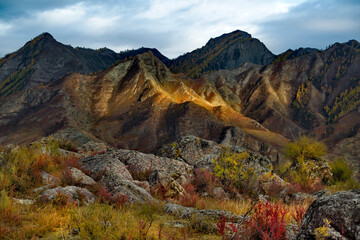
x: 320, y: 194
x: 120, y: 187
x: 98, y: 165
x: 77, y: 177
x: 219, y: 193
x: 208, y: 214
x: 72, y: 193
x: 143, y: 184
x: 161, y: 169
x: 49, y: 179
x: 341, y: 209
x: 24, y: 201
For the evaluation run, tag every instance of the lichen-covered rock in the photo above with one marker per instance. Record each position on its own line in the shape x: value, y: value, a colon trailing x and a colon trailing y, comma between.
x: 98, y: 165
x: 71, y: 193
x: 339, y: 213
x: 174, y: 189
x: 189, y: 149
x: 77, y: 177
x: 200, y: 153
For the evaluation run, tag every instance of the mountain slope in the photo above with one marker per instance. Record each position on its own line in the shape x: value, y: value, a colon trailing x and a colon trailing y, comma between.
x: 225, y: 52
x: 138, y: 104
x: 43, y: 60
x: 316, y: 93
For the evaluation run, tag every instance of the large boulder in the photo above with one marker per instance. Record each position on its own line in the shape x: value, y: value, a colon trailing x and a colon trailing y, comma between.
x: 337, y: 215
x: 120, y: 187
x: 96, y: 166
x: 156, y: 170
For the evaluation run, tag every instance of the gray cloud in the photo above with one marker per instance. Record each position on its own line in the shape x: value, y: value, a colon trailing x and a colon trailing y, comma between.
x: 178, y: 26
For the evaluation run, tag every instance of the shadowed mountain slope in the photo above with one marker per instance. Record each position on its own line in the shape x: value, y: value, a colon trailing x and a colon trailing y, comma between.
x: 44, y: 60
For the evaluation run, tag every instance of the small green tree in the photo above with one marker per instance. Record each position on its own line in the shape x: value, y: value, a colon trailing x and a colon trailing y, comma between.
x: 230, y: 167
x: 308, y: 165
x: 305, y: 149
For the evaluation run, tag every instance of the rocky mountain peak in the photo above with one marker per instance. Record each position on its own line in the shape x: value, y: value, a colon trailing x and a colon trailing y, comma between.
x: 227, y: 51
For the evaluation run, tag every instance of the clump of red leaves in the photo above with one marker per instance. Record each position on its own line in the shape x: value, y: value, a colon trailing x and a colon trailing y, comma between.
x: 298, y: 215
x: 190, y: 197
x: 267, y: 222
x: 204, y: 180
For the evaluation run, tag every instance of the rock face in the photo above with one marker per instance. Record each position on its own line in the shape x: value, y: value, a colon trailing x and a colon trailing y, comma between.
x: 342, y: 210
x: 120, y: 188
x: 115, y: 171
x: 225, y: 52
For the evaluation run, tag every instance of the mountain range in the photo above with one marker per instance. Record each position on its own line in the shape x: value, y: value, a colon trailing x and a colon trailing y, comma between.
x: 231, y: 90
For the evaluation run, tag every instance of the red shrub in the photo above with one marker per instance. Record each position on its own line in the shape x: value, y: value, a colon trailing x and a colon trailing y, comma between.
x: 4, y: 231
x: 104, y: 195
x: 309, y: 188
x: 205, y: 180
x: 190, y: 197
x: 221, y: 225
x: 298, y: 215
x: 267, y: 222
x: 72, y: 162
x: 159, y: 191
x: 119, y: 200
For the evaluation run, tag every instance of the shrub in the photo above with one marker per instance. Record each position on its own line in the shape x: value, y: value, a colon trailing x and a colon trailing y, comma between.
x: 190, y: 197
x: 298, y: 215
x: 342, y: 172
x: 308, y: 166
x: 266, y: 222
x: 232, y: 170
x: 204, y: 180
x: 305, y: 149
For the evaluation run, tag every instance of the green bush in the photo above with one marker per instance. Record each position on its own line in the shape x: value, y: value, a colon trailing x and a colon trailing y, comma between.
x: 305, y: 149
x: 342, y: 172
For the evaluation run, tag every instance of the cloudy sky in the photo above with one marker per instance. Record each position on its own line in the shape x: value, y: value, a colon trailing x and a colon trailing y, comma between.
x: 178, y: 26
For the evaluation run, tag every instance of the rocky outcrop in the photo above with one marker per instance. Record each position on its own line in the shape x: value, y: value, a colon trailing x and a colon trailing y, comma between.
x: 101, y: 164
x: 201, y: 153
x: 116, y: 169
x: 157, y: 170
x: 69, y: 193
x: 339, y: 214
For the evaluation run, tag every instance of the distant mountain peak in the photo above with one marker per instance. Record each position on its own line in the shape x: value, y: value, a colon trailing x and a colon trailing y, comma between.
x: 227, y: 51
